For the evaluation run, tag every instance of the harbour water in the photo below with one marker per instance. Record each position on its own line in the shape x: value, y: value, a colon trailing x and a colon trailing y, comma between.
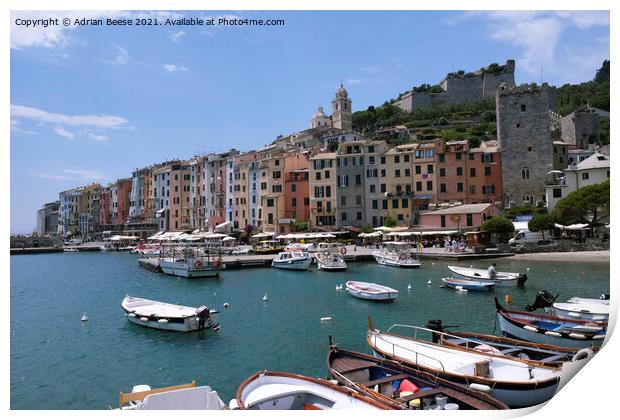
x: 59, y: 362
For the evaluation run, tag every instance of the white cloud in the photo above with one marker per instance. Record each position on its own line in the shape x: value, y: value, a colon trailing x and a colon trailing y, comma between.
x: 176, y: 37
x: 122, y: 56
x: 16, y: 128
x: 98, y: 137
x: 71, y: 174
x: 64, y: 133
x: 354, y: 81
x: 538, y: 35
x: 370, y: 69
x: 99, y: 121
x: 173, y: 68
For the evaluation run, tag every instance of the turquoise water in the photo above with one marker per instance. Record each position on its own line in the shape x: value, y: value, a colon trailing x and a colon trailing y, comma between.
x: 58, y: 362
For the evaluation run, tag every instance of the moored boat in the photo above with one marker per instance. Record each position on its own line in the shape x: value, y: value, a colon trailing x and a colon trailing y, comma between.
x: 371, y: 291
x: 573, y: 308
x: 467, y: 284
x: 500, y: 279
x: 508, y: 347
x: 292, y: 261
x: 268, y: 247
x: 190, y: 262
x: 288, y: 391
x: 518, y: 383
x: 548, y: 329
x: 167, y: 316
x: 329, y: 259
x: 177, y: 397
x: 403, y: 386
x: 396, y: 254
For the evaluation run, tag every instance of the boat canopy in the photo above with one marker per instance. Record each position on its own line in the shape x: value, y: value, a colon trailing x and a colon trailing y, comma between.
x: 264, y: 235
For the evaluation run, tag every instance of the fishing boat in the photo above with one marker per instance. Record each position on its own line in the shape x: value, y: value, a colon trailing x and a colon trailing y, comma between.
x: 548, y: 329
x: 288, y: 391
x: 167, y: 316
x: 403, y: 386
x: 268, y: 247
x: 518, y: 383
x: 501, y: 278
x: 371, y: 291
x: 189, y: 262
x: 573, y: 308
x: 508, y: 347
x: 177, y: 397
x: 329, y: 259
x: 396, y: 254
x: 292, y: 261
x: 467, y: 284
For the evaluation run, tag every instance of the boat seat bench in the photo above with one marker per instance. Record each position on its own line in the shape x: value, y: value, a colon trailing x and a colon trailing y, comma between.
x: 553, y: 358
x: 386, y: 379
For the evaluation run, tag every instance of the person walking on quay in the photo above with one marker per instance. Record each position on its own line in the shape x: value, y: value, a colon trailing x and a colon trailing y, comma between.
x: 446, y: 245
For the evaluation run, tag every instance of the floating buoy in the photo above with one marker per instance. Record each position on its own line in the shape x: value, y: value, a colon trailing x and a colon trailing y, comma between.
x: 429, y: 282
x: 225, y: 304
x: 144, y: 319
x: 339, y: 287
x: 326, y: 318
x: 163, y: 321
x: 131, y: 315
x: 409, y: 287
x: 265, y: 298
x: 471, y: 266
x: 508, y: 298
x: 528, y: 269
x: 84, y: 318
x: 432, y: 263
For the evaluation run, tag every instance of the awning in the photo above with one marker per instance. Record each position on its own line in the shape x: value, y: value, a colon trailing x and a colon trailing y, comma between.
x: 577, y: 226
x: 264, y: 235
x: 422, y: 197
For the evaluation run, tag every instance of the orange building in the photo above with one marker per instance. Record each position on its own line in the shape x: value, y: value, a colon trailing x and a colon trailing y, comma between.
x: 297, y: 195
x: 123, y: 198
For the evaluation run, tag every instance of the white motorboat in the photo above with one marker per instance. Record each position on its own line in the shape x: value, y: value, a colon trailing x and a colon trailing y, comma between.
x: 371, y: 291
x: 329, y: 259
x: 548, y: 329
x: 468, y: 284
x: 167, y: 316
x: 516, y: 382
x: 178, y: 397
x: 292, y: 261
x: 70, y: 250
x: 580, y: 308
x: 190, y: 262
x: 287, y: 391
x: 500, y: 279
x: 396, y: 254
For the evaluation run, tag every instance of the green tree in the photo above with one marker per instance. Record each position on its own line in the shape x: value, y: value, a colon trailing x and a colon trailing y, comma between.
x: 299, y: 226
x: 389, y: 222
x: 541, y: 223
x: 367, y: 229
x: 586, y: 205
x: 499, y: 225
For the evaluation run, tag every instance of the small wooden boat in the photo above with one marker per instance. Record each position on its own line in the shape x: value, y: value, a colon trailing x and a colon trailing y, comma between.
x: 475, y: 285
x: 177, y: 397
x: 548, y: 329
x: 268, y: 247
x: 288, y: 391
x: 546, y: 354
x: 292, y: 261
x: 329, y: 259
x: 70, y: 250
x: 403, y: 386
x: 518, y: 383
x: 501, y: 278
x: 167, y: 316
x: 371, y: 291
x: 396, y: 254
x: 595, y: 311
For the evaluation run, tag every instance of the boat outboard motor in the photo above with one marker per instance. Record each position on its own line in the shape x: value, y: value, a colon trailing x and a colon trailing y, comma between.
x: 544, y: 299
x: 521, y: 279
x: 604, y: 296
x: 203, y: 314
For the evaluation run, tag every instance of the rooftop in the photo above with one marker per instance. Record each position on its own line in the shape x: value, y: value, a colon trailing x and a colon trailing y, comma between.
x: 597, y: 160
x: 466, y: 208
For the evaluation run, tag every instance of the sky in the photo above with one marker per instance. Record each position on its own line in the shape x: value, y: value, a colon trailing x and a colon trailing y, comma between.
x: 93, y: 103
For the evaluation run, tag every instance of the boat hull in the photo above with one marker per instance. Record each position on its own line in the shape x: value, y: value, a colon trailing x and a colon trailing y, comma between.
x: 476, y: 286
x: 514, y: 394
x: 407, y: 263
x: 292, y: 264
x: 513, y: 330
x: 183, y: 270
x: 501, y: 280
x: 363, y: 291
x: 170, y: 326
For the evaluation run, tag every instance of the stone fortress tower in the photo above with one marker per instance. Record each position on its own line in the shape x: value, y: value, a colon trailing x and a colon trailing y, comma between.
x: 524, y: 138
x: 342, y: 116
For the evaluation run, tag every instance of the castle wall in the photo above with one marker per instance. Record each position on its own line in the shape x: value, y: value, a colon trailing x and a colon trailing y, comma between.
x: 464, y: 89
x: 525, y: 141
x: 579, y: 128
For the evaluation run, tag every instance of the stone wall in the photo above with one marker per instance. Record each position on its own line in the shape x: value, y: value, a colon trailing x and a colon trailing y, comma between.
x: 564, y: 246
x: 525, y: 141
x: 580, y: 129
x: 492, y: 81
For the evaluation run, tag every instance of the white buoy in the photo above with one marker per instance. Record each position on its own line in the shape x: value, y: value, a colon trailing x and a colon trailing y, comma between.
x: 409, y: 287
x: 326, y: 318
x: 84, y: 318
x: 528, y: 269
x: 226, y: 305
x: 429, y: 282
x: 265, y: 298
x: 432, y: 263
x: 339, y: 287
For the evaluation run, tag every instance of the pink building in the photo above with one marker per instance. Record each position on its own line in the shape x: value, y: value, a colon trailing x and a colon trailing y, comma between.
x: 466, y: 217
